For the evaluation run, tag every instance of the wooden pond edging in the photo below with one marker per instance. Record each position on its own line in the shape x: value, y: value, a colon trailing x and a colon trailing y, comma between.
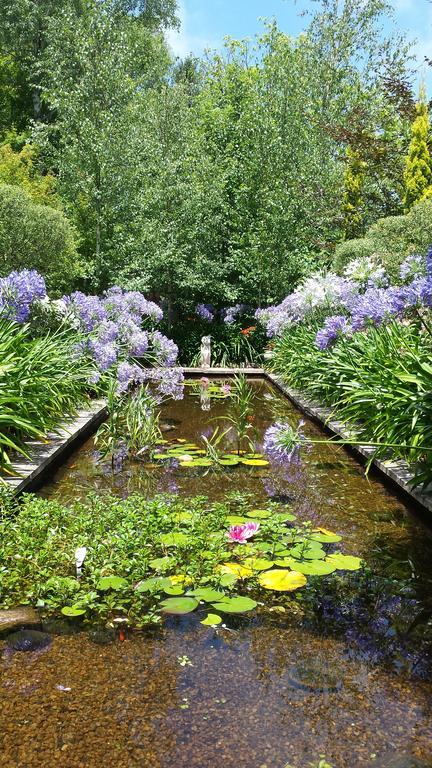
x: 45, y: 454
x: 398, y: 472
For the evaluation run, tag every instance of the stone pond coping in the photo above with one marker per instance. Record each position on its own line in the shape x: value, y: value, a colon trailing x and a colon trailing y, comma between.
x: 398, y: 472
x: 45, y: 455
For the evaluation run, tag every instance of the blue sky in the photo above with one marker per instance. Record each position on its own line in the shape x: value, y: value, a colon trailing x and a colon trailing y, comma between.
x: 206, y: 22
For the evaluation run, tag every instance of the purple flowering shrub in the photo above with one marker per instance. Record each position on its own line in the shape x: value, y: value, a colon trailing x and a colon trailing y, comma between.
x: 118, y: 330
x: 114, y: 331
x: 353, y: 303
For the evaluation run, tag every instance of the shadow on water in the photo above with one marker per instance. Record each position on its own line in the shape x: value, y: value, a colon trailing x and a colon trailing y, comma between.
x: 348, y: 677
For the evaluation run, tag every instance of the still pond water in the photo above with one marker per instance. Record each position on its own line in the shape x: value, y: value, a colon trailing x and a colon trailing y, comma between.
x: 351, y: 680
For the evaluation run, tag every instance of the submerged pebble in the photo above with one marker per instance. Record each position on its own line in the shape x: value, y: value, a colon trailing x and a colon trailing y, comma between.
x: 313, y: 676
x: 404, y: 761
x: 28, y: 640
x: 103, y: 636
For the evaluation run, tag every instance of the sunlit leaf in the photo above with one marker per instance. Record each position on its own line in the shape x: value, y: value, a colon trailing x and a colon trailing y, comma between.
x: 235, y: 605
x: 312, y: 550
x: 314, y: 567
x: 282, y: 581
x: 260, y: 514
x: 111, y: 582
x: 211, y: 620
x: 344, y: 562
x: 72, y: 610
x: 178, y: 605
x: 258, y: 563
x: 238, y: 570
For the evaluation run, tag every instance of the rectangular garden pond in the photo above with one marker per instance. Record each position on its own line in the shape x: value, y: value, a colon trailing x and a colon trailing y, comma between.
x: 341, y: 669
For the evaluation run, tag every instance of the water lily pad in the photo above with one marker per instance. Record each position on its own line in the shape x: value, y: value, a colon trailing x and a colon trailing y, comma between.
x: 174, y: 539
x: 285, y: 517
x: 206, y: 594
x: 260, y: 514
x: 235, y: 605
x: 229, y: 462
x: 228, y: 579
x: 344, y: 562
x: 111, y: 582
x: 161, y: 457
x: 325, y: 537
x: 258, y: 563
x: 153, y: 584
x: 238, y: 570
x: 281, y: 580
x: 174, y: 589
x: 311, y: 551
x: 287, y: 562
x: 211, y: 620
x: 255, y: 462
x: 178, y: 605
x: 315, y: 567
x: 253, y: 456
x: 237, y: 520
x: 72, y: 611
x: 202, y: 463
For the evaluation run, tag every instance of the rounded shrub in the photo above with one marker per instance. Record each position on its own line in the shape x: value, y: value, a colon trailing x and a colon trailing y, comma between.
x: 391, y: 239
x: 34, y: 236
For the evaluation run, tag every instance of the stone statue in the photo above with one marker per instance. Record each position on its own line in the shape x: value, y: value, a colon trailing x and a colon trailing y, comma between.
x: 205, y: 361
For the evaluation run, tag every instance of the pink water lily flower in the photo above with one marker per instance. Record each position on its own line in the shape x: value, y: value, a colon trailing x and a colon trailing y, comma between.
x: 239, y: 534
x: 204, y: 381
x: 226, y: 389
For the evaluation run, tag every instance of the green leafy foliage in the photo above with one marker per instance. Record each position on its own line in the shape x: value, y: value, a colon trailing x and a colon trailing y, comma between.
x: 34, y: 236
x: 378, y: 382
x: 41, y: 383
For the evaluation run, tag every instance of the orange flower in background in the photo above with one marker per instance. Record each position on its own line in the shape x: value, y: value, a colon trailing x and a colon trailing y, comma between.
x: 247, y: 331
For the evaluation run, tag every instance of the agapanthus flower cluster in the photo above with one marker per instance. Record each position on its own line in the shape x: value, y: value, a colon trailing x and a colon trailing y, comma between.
x: 367, y: 272
x: 113, y: 326
x: 18, y: 293
x: 318, y: 291
x: 205, y: 312
x: 231, y: 314
x: 334, y: 326
x: 413, y: 266
x: 376, y: 306
x: 283, y: 444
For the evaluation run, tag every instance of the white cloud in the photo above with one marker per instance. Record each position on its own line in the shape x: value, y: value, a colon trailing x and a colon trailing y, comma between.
x: 183, y: 41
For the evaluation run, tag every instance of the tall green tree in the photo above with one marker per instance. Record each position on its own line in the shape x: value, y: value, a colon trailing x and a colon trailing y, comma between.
x: 95, y: 65
x: 418, y: 163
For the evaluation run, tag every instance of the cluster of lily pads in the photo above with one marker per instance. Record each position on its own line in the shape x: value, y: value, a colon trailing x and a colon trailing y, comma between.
x: 279, y: 559
x: 191, y: 455
x: 146, y: 558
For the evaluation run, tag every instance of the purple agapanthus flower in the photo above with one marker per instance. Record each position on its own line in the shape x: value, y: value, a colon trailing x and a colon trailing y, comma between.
x: 334, y: 327
x: 412, y: 267
x: 164, y: 350
x: 205, y: 312
x: 283, y: 444
x: 18, y: 292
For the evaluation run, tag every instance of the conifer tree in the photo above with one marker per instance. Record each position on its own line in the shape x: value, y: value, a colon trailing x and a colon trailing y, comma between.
x: 353, y: 203
x: 418, y: 163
